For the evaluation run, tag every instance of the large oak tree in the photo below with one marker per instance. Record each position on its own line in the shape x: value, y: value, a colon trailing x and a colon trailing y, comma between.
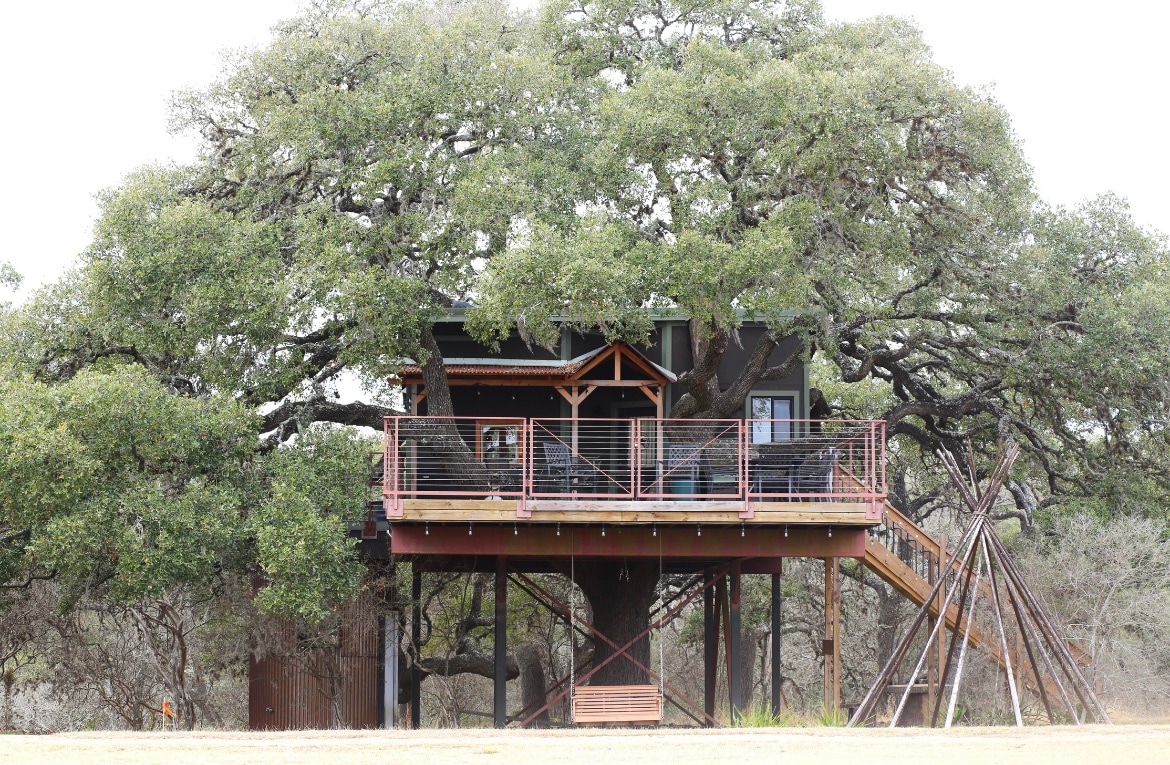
x: 603, y: 161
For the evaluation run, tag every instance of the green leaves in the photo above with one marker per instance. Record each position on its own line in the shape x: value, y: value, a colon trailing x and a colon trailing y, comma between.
x: 110, y: 482
x: 317, y: 486
x: 110, y: 478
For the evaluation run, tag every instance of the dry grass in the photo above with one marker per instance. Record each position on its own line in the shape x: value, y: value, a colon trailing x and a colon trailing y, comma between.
x: 792, y: 746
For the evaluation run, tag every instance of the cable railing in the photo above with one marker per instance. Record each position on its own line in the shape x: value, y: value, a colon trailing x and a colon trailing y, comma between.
x: 501, y: 458
x: 912, y: 546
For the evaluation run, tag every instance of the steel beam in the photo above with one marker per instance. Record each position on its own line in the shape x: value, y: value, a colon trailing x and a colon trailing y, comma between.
x: 710, y: 646
x: 776, y: 635
x: 543, y: 541
x: 500, y: 681
x: 735, y: 646
x: 416, y: 639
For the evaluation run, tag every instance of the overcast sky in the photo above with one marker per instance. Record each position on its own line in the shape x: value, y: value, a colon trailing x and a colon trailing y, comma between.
x: 86, y: 86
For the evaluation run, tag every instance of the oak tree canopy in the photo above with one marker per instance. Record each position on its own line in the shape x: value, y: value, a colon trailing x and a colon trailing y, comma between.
x: 590, y: 164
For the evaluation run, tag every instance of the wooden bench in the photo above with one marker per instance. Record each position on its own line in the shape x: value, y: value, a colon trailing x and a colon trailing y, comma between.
x: 617, y: 704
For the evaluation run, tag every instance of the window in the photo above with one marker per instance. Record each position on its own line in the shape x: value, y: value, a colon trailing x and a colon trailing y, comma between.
x: 771, y: 408
x: 499, y: 441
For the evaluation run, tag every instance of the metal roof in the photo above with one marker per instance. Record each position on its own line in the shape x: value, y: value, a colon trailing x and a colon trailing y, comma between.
x: 488, y: 366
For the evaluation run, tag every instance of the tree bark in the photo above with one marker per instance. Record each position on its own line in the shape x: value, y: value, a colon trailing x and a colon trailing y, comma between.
x: 621, y: 594
x: 532, y: 682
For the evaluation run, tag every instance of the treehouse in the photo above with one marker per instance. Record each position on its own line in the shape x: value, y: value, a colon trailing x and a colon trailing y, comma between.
x: 571, y: 462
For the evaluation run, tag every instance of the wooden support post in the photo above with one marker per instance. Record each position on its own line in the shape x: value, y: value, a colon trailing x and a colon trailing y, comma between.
x: 941, y: 643
x: 735, y: 648
x: 710, y: 648
x: 416, y: 638
x: 776, y: 663
x: 500, y: 681
x: 832, y: 644
x: 934, y: 571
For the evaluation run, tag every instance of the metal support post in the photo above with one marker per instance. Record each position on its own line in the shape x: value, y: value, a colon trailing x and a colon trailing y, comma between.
x: 416, y: 638
x: 735, y: 674
x: 710, y: 646
x: 776, y: 624
x: 500, y: 681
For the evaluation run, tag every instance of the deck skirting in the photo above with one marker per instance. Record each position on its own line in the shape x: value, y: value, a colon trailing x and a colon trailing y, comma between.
x: 637, y: 512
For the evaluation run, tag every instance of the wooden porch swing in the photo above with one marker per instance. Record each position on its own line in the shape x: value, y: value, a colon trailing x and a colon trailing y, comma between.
x: 600, y: 705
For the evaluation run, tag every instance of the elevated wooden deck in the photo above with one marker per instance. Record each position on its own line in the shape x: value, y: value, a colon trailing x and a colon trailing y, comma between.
x: 633, y: 471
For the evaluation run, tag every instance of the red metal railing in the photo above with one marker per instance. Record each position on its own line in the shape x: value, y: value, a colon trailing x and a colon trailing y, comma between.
x: 633, y: 459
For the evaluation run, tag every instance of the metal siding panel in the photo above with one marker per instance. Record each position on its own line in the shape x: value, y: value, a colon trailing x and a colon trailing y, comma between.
x: 295, y: 692
x: 360, y: 691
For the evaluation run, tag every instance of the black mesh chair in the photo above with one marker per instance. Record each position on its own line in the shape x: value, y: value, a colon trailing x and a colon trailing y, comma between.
x: 719, y: 467
x: 564, y: 473
x: 815, y: 474
x: 772, y: 468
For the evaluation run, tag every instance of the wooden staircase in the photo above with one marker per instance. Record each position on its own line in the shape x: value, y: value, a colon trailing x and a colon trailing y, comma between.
x: 907, y: 558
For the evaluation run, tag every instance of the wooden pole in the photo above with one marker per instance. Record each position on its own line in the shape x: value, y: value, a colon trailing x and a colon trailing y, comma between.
x: 832, y: 644
x: 940, y: 643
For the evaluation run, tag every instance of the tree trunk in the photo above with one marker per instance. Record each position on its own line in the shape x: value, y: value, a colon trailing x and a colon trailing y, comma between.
x: 532, y: 682
x: 620, y: 593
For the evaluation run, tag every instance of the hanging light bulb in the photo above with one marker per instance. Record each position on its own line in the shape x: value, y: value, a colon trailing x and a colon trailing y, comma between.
x: 468, y: 529
x: 426, y: 529
x: 515, y: 530
x: 786, y: 531
x: 741, y: 529
x: 830, y: 532
x: 698, y: 530
x: 603, y: 529
x: 655, y: 530
x: 558, y: 528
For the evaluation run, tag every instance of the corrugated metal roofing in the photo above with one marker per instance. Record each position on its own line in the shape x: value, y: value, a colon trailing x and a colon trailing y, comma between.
x: 487, y: 366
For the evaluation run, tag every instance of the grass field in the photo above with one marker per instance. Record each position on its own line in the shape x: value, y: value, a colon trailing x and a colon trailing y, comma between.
x: 1126, y: 744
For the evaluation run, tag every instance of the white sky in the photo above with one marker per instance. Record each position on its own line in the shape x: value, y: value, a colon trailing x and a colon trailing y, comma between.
x: 86, y: 84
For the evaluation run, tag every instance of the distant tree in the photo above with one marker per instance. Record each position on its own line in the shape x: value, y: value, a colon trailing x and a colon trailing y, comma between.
x: 114, y: 488
x: 1106, y: 583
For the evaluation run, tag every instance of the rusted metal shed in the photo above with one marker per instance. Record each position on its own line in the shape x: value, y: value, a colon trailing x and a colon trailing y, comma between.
x: 291, y: 688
